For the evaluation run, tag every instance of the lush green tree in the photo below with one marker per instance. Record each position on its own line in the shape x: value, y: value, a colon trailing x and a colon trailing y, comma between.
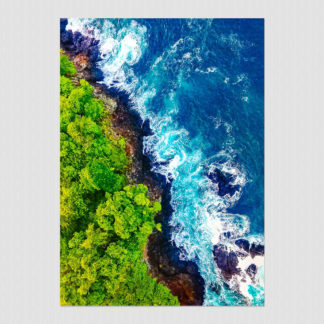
x: 66, y: 66
x: 66, y: 86
x: 105, y: 223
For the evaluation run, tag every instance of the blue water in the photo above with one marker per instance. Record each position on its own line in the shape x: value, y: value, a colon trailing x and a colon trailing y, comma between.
x: 200, y: 83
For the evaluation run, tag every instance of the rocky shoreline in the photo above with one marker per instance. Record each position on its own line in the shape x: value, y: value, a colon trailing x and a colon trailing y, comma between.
x: 162, y: 258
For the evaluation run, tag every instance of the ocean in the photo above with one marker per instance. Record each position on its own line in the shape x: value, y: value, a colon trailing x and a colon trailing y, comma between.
x: 200, y: 83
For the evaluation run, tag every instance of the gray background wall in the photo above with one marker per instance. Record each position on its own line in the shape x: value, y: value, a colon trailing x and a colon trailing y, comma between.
x: 29, y: 147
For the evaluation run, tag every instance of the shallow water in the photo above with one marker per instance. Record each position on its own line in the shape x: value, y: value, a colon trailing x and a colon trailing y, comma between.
x: 200, y: 83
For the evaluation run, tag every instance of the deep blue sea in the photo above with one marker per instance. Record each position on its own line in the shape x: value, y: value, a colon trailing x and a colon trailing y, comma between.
x: 200, y: 82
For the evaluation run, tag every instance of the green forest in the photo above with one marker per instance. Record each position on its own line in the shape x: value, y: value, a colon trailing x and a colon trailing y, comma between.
x: 105, y: 222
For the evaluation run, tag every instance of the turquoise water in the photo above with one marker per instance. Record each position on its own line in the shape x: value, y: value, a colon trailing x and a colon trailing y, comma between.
x: 200, y: 83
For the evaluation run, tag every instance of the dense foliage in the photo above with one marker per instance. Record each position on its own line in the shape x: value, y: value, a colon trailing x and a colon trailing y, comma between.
x: 105, y: 223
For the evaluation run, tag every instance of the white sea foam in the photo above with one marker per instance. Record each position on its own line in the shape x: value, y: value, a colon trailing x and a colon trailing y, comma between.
x: 210, y: 69
x: 234, y: 43
x: 241, y: 282
x: 240, y: 78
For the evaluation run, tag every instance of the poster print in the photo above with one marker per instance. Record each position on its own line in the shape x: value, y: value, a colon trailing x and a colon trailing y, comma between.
x: 162, y: 162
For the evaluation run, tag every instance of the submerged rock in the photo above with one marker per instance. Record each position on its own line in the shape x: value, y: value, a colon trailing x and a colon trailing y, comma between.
x: 239, y: 266
x: 256, y: 249
x: 252, y: 270
x: 223, y: 181
x: 243, y: 244
x: 226, y: 261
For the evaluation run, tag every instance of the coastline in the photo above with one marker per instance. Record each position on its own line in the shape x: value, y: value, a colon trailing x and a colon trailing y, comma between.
x: 162, y: 258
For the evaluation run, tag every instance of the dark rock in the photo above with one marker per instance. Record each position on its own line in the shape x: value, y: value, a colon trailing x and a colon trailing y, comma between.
x: 256, y: 249
x: 251, y: 270
x: 232, y: 262
x: 181, y: 277
x: 67, y: 39
x: 223, y: 181
x: 147, y: 131
x: 220, y: 257
x: 191, y: 269
x: 243, y: 244
x: 225, y: 261
x: 227, y: 234
x: 63, y: 23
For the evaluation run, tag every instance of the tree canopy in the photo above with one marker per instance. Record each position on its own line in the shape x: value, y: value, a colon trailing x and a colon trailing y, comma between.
x: 105, y: 222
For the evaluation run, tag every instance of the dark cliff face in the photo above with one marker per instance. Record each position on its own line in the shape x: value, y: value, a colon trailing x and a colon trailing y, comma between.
x: 182, y: 278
